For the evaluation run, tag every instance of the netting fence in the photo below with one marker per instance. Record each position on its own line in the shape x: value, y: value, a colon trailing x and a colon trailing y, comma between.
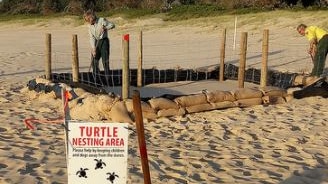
x: 180, y: 58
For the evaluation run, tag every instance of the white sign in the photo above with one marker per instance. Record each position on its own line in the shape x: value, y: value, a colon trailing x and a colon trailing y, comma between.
x: 97, y: 153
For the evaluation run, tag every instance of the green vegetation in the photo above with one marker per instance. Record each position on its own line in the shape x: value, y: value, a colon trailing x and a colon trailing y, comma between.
x: 143, y: 7
x: 193, y: 11
x: 28, y: 19
x: 196, y: 11
x: 130, y: 13
x: 184, y: 11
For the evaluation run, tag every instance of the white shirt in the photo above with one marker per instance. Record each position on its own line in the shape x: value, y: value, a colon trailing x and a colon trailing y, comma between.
x: 95, y: 30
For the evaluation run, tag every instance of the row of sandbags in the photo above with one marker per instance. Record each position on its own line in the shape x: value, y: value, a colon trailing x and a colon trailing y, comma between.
x: 162, y: 107
x: 104, y: 107
x: 91, y: 107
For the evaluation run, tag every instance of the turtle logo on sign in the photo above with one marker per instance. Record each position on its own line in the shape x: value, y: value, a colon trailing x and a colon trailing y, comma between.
x: 112, y: 177
x: 99, y: 164
x: 82, y: 172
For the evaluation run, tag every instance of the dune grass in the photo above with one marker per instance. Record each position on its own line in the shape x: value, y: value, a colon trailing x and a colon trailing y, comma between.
x: 203, y: 15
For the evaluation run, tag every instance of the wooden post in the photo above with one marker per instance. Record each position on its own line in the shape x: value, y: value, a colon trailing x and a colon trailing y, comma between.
x: 235, y: 34
x: 48, y: 57
x: 242, y: 61
x: 265, y: 49
x: 139, y: 75
x: 75, y: 59
x: 126, y: 69
x: 141, y: 136
x: 223, y: 43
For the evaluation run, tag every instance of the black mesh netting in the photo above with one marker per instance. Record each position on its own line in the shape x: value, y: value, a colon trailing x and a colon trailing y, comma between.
x: 95, y: 83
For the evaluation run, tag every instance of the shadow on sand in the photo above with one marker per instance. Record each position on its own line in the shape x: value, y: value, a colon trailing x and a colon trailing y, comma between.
x: 317, y: 175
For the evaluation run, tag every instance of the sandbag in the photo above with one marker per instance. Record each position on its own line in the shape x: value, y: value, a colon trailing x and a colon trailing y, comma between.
x: 248, y: 102
x: 273, y: 91
x: 84, y: 109
x: 145, y: 115
x: 79, y: 113
x: 200, y: 108
x: 298, y: 80
x: 223, y: 105
x: 145, y: 107
x: 149, y: 115
x: 304, y: 80
x: 162, y: 103
x: 310, y: 80
x: 247, y: 93
x: 191, y: 100
x: 42, y: 80
x: 119, y: 113
x: 129, y: 105
x: 84, y: 98
x: 273, y: 100
x: 171, y: 112
x: 79, y: 91
x: 220, y: 96
x: 104, y: 103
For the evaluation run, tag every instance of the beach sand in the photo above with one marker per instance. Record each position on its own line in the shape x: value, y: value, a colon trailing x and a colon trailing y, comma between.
x: 283, y: 143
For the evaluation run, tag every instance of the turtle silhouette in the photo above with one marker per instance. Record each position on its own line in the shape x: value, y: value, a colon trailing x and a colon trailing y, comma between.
x: 99, y: 164
x: 112, y: 177
x: 82, y: 172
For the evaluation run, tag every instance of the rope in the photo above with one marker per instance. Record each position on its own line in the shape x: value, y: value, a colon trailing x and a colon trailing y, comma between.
x: 61, y: 120
x: 30, y: 121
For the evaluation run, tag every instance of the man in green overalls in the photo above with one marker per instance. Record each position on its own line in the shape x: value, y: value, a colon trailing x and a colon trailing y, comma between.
x: 318, y: 49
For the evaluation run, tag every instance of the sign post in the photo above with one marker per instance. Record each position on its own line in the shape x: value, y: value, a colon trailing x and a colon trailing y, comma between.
x: 141, y: 136
x: 97, y: 152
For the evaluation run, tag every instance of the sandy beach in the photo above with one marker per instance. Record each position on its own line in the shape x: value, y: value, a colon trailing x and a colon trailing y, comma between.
x: 265, y: 144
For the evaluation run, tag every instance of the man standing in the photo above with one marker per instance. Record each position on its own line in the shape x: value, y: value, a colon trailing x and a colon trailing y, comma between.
x: 99, y: 40
x: 318, y: 49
